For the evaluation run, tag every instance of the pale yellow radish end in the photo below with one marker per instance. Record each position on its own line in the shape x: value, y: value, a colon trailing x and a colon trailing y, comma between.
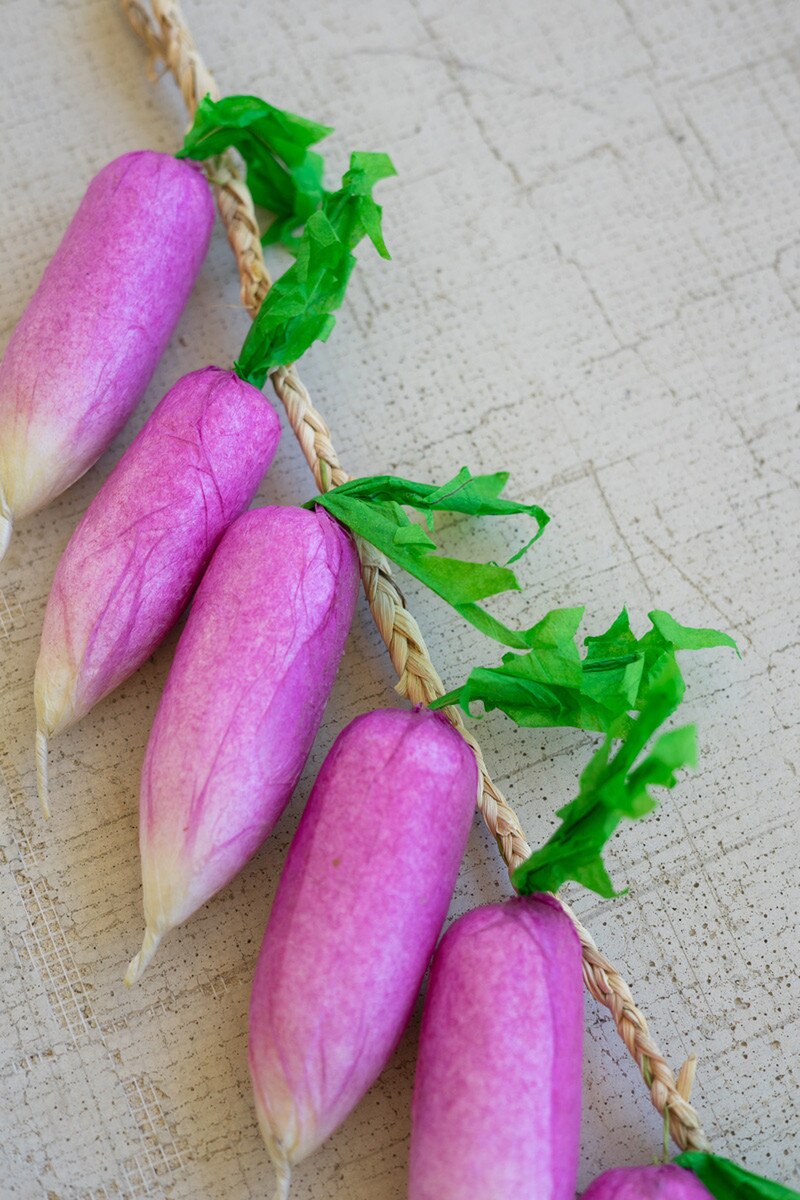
x: 138, y: 965
x: 42, y: 774
x: 279, y: 1158
x: 284, y: 1175
x: 6, y: 525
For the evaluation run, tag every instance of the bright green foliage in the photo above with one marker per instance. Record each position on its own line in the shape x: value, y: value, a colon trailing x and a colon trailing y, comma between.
x: 283, y: 174
x: 374, y: 509
x: 619, y: 676
x: 727, y: 1181
x: 299, y: 307
x: 551, y: 685
x: 613, y: 786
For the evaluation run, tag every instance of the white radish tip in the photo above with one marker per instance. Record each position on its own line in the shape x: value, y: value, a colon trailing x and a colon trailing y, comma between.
x: 284, y: 1176
x: 42, y: 778
x: 6, y: 527
x: 150, y: 943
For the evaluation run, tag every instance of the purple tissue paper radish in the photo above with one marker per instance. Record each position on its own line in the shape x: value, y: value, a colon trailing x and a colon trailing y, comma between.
x: 360, y: 903
x: 497, y: 1093
x: 85, y: 347
x: 665, y: 1182
x: 241, y: 706
x: 138, y: 554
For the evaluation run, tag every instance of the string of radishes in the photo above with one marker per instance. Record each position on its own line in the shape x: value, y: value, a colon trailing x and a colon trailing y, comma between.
x: 168, y: 37
x: 318, y: 430
x: 144, y: 542
x: 370, y: 874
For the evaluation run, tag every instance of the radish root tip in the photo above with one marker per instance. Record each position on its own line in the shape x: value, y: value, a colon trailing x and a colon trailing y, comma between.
x: 284, y: 1178
x: 138, y: 964
x: 42, y: 775
x: 6, y: 526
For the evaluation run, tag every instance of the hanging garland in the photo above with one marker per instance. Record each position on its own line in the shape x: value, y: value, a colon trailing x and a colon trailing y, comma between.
x: 371, y: 871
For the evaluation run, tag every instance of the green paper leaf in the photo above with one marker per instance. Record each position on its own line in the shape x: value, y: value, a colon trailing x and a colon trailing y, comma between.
x: 551, y: 685
x: 619, y: 676
x: 618, y: 640
x: 352, y: 210
x: 374, y: 509
x: 309, y: 193
x: 727, y: 1181
x: 613, y: 787
x: 299, y: 307
x: 683, y: 637
x: 283, y: 174
x: 217, y: 122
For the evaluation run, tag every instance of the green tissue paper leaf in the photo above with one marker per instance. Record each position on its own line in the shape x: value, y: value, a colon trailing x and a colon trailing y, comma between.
x: 283, y: 174
x: 299, y: 307
x: 619, y: 676
x: 549, y: 685
x: 552, y: 685
x: 684, y: 637
x: 613, y: 786
x: 374, y: 509
x: 727, y: 1181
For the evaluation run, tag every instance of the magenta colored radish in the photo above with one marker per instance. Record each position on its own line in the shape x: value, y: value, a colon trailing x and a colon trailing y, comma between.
x: 361, y: 900
x: 665, y: 1182
x: 242, y: 704
x: 85, y: 347
x: 138, y: 554
x: 497, y: 1093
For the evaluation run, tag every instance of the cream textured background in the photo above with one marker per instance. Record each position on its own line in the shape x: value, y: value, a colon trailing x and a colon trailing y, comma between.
x: 596, y: 283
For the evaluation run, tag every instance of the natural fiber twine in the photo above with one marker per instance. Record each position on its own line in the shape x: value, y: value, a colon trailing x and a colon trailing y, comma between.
x: 163, y: 29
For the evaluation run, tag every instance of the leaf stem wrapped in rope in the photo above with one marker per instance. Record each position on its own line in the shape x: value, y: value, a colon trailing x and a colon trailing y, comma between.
x: 283, y: 175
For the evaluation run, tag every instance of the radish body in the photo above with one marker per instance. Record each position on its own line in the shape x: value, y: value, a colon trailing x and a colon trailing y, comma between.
x: 87, y: 343
x: 137, y: 555
x: 665, y: 1182
x: 360, y: 903
x: 242, y: 703
x: 497, y: 1094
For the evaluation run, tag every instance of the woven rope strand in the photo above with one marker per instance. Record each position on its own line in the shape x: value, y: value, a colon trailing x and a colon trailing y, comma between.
x: 168, y: 38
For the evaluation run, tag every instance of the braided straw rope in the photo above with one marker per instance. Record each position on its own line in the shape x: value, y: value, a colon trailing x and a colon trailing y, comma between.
x: 167, y: 37
x: 171, y: 41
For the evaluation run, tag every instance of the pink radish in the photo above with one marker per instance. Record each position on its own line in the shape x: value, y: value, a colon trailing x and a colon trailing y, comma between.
x: 137, y: 555
x: 242, y: 703
x: 91, y: 336
x: 497, y: 1094
x: 664, y: 1182
x: 360, y: 903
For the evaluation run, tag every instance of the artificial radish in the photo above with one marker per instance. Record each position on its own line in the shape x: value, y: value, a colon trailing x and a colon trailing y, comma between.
x: 132, y: 564
x: 85, y: 347
x: 137, y: 555
x: 213, y: 782
x: 360, y: 903
x: 662, y: 1182
x: 497, y: 1094
x: 242, y: 703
